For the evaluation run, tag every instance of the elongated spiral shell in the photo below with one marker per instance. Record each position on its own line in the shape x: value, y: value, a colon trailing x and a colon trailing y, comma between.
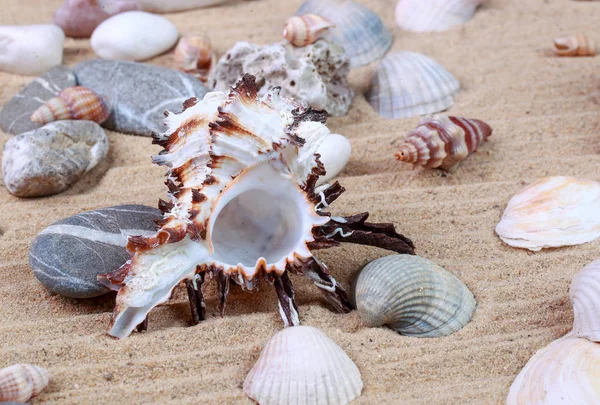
x: 575, y: 45
x: 585, y: 297
x: 73, y: 103
x: 194, y: 52
x: 300, y: 365
x: 443, y: 142
x: 21, y: 382
x: 305, y: 29
x: 413, y: 296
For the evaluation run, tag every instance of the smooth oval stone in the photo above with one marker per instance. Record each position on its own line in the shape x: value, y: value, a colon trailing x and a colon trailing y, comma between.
x: 30, y: 49
x: 79, y: 18
x: 134, y: 35
x: 335, y: 152
x: 138, y: 93
x: 68, y: 256
x: 14, y: 117
x: 48, y: 160
x: 163, y: 6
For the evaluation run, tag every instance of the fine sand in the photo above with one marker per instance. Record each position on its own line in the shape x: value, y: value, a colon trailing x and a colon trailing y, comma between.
x: 544, y: 111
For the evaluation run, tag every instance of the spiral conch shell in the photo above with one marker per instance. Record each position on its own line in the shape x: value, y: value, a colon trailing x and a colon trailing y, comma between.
x: 243, y: 205
x: 194, y: 54
x: 302, y: 365
x: 443, y: 142
x: 305, y: 29
x: 73, y: 103
x: 552, y: 212
x: 574, y: 45
x: 21, y: 382
x: 413, y: 296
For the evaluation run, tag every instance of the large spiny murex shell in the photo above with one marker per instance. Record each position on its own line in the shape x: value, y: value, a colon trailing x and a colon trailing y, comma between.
x: 243, y: 205
x: 21, y: 382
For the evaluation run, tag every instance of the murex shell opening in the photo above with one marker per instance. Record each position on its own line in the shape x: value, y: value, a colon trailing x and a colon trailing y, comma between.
x: 243, y: 205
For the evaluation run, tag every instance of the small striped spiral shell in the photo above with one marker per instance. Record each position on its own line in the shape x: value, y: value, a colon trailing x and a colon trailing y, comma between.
x: 442, y: 142
x: 305, y: 29
x: 73, y: 103
x: 20, y: 382
x: 193, y: 52
x: 574, y: 45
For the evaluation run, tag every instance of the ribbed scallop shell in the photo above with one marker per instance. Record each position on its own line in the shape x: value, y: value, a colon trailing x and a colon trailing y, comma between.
x: 357, y: 28
x: 305, y: 29
x: 300, y: 365
x: 406, y: 84
x: 565, y: 372
x: 443, y: 142
x: 73, y: 103
x: 552, y: 212
x: 585, y: 297
x: 413, y: 296
x: 434, y: 15
x: 21, y: 382
x: 574, y: 45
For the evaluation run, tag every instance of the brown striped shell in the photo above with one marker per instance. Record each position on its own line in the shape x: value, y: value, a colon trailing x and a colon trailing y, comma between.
x: 442, y: 142
x: 305, y: 29
x: 575, y: 45
x: 20, y: 382
x: 73, y: 103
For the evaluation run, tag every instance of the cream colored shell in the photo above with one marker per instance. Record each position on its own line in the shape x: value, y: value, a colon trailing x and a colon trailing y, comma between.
x: 575, y: 45
x: 21, y: 382
x: 585, y: 297
x: 302, y: 30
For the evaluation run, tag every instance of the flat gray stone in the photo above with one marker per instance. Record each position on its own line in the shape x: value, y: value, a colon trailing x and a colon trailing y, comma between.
x: 138, y: 93
x: 68, y: 256
x: 14, y: 117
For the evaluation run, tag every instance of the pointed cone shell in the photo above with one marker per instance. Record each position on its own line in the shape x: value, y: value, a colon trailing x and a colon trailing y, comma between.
x: 565, y: 372
x: 21, y: 382
x: 301, y: 365
x: 304, y: 30
x: 193, y: 52
x: 434, y: 15
x: 358, y: 29
x: 552, y: 212
x: 406, y: 84
x: 413, y: 296
x: 585, y: 297
x: 443, y: 142
x: 575, y: 45
x: 73, y: 103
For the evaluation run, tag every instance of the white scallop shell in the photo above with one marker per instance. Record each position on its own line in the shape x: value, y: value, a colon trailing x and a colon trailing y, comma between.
x: 407, y: 84
x: 300, y: 365
x: 434, y: 15
x: 21, y: 382
x: 412, y: 295
x: 552, y: 212
x: 357, y: 28
x: 585, y: 297
x: 565, y: 372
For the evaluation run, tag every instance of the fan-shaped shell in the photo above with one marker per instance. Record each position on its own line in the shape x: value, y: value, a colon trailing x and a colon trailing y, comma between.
x: 585, y: 297
x: 552, y: 212
x: 73, y: 103
x: 434, y: 15
x: 442, y: 141
x: 21, y: 382
x: 357, y: 28
x: 301, y: 365
x: 574, y: 45
x: 565, y: 372
x: 407, y: 84
x: 302, y: 30
x: 413, y: 296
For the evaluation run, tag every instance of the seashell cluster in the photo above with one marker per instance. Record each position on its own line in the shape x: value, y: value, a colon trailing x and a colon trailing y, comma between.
x: 413, y: 296
x: 443, y: 142
x: 575, y: 45
x: 73, y: 103
x: 304, y: 30
x: 434, y: 15
x: 407, y: 84
x: 302, y: 365
x: 357, y: 29
x: 21, y: 382
x: 552, y: 212
x: 242, y: 206
x: 194, y: 54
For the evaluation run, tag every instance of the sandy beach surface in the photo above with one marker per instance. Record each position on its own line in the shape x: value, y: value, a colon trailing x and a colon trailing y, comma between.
x: 545, y: 115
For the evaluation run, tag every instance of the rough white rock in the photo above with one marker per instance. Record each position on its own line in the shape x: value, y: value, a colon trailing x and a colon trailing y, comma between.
x: 30, y: 49
x: 169, y: 6
x: 134, y: 35
x: 335, y: 152
x: 315, y: 74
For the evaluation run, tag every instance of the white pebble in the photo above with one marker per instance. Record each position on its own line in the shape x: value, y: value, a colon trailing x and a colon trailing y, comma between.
x: 169, y: 6
x: 335, y: 152
x: 134, y: 35
x: 30, y: 49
